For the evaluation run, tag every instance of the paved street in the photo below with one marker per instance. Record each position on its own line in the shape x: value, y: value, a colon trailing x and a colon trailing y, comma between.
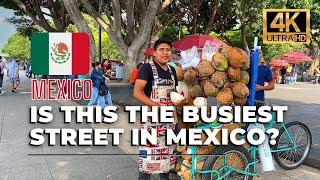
x: 16, y: 164
x: 303, y: 101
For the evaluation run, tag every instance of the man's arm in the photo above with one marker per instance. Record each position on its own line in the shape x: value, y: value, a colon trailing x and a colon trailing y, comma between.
x: 268, y: 87
x: 138, y: 93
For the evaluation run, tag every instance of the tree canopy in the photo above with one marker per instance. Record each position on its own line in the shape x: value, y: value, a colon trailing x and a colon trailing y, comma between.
x: 18, y: 46
x: 129, y: 25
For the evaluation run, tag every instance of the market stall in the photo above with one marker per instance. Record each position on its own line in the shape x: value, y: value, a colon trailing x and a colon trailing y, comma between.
x: 210, y: 69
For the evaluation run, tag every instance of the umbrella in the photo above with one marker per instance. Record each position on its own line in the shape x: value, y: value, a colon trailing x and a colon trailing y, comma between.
x: 279, y: 63
x: 197, y: 40
x: 149, y: 52
x: 296, y: 58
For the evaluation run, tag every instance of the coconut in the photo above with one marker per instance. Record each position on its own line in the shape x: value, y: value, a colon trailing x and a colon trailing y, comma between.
x: 220, y: 62
x: 205, y: 149
x: 185, y: 155
x: 200, y: 165
x: 203, y: 82
x: 187, y: 175
x: 196, y: 91
x: 176, y: 97
x: 210, y: 89
x: 205, y: 69
x: 179, y: 73
x: 190, y: 76
x: 227, y: 84
x: 225, y: 96
x: 181, y: 148
x: 240, y: 101
x: 219, y: 79
x: 237, y: 57
x: 177, y: 167
x: 234, y: 74
x: 239, y: 90
x: 200, y: 101
x: 244, y: 77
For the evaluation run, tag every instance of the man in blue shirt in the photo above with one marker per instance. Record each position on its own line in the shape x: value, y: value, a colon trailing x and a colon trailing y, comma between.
x: 264, y: 75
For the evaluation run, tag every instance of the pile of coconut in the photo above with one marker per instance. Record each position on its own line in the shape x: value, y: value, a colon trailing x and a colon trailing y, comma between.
x: 223, y: 77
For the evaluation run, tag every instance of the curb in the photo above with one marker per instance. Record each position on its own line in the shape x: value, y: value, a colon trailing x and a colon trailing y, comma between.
x: 313, y: 159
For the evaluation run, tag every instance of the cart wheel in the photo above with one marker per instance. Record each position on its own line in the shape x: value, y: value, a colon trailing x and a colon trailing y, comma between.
x: 236, y: 156
x: 293, y: 158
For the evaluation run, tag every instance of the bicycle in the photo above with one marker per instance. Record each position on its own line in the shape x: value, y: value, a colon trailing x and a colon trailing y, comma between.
x: 236, y: 162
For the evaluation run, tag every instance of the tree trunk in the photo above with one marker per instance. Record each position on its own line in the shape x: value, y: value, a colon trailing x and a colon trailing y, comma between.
x: 244, y: 40
x: 212, y: 17
x: 81, y: 24
x: 313, y: 52
x: 195, y: 17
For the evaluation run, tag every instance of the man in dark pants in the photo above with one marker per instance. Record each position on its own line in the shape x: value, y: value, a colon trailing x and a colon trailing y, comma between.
x: 283, y: 72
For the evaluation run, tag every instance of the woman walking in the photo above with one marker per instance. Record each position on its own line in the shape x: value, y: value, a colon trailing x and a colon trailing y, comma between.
x: 97, y: 80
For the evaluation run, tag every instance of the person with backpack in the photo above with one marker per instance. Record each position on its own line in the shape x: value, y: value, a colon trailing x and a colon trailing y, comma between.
x: 99, y: 87
x: 2, y: 67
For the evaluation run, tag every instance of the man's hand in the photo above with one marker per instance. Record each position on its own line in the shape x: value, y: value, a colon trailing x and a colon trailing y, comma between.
x: 259, y: 87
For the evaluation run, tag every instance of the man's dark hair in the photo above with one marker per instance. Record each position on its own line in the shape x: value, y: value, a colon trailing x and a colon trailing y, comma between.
x: 162, y: 41
x: 95, y: 64
x: 139, y: 65
x: 0, y: 57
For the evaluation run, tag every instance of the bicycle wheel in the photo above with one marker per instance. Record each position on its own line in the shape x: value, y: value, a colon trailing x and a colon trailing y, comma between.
x: 293, y: 158
x: 237, y: 157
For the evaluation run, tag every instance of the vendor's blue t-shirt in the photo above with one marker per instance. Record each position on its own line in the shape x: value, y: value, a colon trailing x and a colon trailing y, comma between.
x: 264, y: 75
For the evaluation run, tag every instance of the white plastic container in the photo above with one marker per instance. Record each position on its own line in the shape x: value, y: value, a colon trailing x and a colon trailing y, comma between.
x: 264, y: 150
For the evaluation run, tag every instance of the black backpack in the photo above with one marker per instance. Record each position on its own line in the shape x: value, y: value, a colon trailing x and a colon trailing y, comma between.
x: 103, y: 89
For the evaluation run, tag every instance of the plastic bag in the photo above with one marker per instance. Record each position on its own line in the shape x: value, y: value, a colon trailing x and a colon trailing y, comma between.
x: 209, y: 49
x: 189, y: 58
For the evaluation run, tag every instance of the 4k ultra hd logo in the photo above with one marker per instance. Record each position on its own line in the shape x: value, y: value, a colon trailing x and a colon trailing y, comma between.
x: 286, y: 26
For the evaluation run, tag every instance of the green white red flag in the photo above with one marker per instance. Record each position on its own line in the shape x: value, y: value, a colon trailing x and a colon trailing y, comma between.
x: 60, y: 53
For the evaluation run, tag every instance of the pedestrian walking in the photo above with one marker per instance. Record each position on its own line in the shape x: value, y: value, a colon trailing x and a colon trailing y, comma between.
x: 2, y: 67
x: 120, y: 71
x: 155, y: 81
x: 99, y: 90
x: 13, y: 74
x: 283, y: 74
x: 29, y: 72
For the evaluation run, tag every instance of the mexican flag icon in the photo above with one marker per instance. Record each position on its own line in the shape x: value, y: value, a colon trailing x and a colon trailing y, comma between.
x: 60, y: 53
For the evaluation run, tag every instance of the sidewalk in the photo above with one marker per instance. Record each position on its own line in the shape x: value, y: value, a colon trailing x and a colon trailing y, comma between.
x: 15, y: 164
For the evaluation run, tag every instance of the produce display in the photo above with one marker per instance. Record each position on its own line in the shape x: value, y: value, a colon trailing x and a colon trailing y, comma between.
x: 224, y: 78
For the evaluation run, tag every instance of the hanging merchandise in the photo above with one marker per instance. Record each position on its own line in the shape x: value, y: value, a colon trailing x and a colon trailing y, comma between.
x: 209, y: 49
x: 189, y: 58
